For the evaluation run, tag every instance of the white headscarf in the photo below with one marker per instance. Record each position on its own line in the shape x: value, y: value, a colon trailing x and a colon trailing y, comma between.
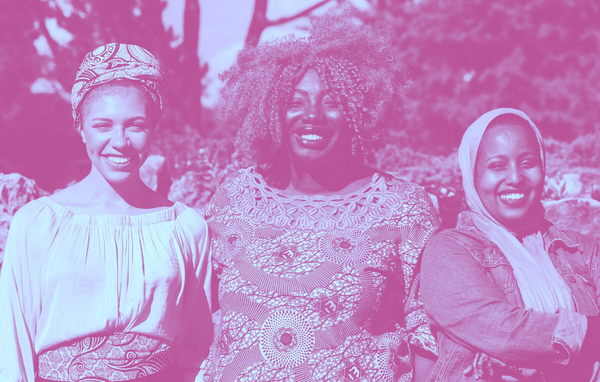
x: 541, y: 286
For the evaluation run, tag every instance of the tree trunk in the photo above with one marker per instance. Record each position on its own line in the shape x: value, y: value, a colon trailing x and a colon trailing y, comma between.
x: 260, y: 22
x: 190, y: 64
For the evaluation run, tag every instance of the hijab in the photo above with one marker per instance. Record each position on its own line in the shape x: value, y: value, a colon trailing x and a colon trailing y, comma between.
x: 117, y: 61
x: 542, y: 288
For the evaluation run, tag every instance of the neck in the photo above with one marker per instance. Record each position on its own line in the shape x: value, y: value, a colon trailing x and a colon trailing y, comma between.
x: 132, y: 192
x: 326, y: 180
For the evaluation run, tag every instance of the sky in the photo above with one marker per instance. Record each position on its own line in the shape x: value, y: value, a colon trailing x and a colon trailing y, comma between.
x: 223, y: 27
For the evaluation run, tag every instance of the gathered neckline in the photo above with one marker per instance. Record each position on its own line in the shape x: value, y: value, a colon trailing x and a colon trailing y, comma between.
x: 164, y: 215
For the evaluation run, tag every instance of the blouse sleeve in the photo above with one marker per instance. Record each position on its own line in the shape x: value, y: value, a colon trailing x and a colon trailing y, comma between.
x: 193, y: 341
x: 426, y: 222
x: 472, y: 310
x: 20, y: 292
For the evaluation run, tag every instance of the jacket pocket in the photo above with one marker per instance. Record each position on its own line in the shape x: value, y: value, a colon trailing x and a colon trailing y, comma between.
x: 496, y: 266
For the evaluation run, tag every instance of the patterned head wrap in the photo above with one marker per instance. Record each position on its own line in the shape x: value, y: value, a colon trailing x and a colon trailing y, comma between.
x: 541, y: 287
x: 116, y: 61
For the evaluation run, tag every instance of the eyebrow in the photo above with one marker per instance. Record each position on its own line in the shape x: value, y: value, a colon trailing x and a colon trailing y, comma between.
x: 102, y: 119
x: 504, y: 156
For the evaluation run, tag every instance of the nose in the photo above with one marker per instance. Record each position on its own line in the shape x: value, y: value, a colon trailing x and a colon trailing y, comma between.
x: 514, y: 176
x: 119, y: 140
x: 313, y: 114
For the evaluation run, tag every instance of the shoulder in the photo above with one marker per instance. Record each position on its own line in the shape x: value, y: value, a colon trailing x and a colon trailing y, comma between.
x: 238, y: 184
x: 466, y: 241
x: 587, y: 244
x: 465, y: 237
x: 191, y: 221
x: 39, y: 212
x: 412, y: 191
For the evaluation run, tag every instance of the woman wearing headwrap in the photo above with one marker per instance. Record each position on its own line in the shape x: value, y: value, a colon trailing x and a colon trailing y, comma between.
x: 316, y: 251
x: 509, y: 296
x: 103, y: 281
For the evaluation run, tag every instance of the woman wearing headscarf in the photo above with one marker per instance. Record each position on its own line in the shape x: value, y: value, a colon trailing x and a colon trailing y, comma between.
x: 511, y: 297
x: 103, y: 281
x: 316, y: 252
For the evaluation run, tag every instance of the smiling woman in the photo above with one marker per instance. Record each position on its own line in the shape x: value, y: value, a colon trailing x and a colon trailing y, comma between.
x: 117, y: 128
x: 104, y: 279
x: 316, y: 252
x: 512, y: 296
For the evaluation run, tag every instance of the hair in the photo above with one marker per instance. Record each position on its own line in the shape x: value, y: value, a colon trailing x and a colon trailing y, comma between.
x: 354, y: 62
x: 111, y: 88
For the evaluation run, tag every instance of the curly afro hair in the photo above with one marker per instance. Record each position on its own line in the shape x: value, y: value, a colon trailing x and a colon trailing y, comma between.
x: 355, y: 63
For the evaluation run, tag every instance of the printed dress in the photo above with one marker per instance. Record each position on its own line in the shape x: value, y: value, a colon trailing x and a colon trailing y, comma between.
x: 315, y: 288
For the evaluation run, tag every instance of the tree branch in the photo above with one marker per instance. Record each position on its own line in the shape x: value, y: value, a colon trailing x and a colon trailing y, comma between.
x: 305, y: 12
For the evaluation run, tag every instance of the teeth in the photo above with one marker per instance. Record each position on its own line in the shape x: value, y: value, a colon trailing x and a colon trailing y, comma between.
x: 512, y: 196
x: 311, y: 137
x: 119, y: 160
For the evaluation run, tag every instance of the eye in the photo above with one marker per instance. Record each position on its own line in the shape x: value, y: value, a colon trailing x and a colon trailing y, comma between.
x: 102, y: 126
x: 497, y: 166
x: 297, y: 103
x: 529, y: 163
x: 330, y: 103
x: 138, y: 126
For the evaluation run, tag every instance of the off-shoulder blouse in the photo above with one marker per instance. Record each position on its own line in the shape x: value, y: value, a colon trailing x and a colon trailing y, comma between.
x: 68, y: 276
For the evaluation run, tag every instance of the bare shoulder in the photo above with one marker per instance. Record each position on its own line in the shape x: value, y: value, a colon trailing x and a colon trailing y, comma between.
x: 71, y: 195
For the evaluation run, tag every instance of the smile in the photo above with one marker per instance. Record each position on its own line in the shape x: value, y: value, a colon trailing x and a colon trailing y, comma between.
x: 513, y: 196
x: 311, y: 137
x: 119, y: 160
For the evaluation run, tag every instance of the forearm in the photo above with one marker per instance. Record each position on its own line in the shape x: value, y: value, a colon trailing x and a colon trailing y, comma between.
x: 473, y: 311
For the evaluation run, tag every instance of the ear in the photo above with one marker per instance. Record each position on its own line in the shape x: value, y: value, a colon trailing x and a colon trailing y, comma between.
x: 82, y: 135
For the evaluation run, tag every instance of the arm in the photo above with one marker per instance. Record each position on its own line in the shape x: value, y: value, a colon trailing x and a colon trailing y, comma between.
x: 473, y: 312
x: 422, y: 341
x: 20, y: 300
x: 196, y: 333
x: 424, y: 361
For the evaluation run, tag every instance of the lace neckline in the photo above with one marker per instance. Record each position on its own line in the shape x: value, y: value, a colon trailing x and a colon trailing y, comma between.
x: 259, y: 183
x: 255, y: 200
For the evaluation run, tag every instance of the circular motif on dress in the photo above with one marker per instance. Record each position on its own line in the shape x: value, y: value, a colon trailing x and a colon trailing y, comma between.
x: 348, y: 247
x: 286, y: 339
x: 237, y: 235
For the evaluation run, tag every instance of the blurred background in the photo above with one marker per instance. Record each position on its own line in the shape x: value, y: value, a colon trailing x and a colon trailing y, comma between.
x: 462, y: 57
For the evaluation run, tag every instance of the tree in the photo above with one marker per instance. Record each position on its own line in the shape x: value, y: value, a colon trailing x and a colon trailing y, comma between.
x: 260, y: 22
x: 37, y: 137
x: 466, y: 57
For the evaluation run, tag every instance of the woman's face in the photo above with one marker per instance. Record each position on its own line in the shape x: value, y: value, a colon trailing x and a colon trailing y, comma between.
x: 117, y: 131
x: 317, y: 131
x: 509, y: 176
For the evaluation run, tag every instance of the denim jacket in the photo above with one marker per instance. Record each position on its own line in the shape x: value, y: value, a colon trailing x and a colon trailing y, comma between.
x: 474, y: 304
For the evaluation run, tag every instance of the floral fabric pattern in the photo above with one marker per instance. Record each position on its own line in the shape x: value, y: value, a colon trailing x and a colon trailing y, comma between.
x: 119, y: 357
x: 318, y: 288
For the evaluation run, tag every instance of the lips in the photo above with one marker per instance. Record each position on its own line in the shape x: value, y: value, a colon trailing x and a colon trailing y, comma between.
x: 313, y: 137
x: 119, y: 161
x: 513, y: 197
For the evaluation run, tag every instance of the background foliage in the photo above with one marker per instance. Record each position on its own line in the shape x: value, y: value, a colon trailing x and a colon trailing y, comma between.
x: 463, y: 58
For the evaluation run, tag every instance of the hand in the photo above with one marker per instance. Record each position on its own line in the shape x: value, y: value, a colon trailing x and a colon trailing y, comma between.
x: 485, y: 367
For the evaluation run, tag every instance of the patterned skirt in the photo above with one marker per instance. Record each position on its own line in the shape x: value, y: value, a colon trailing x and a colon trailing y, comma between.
x: 118, y: 357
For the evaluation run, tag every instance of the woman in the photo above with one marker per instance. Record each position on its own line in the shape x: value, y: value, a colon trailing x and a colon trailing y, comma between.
x: 509, y: 296
x: 316, y: 253
x: 104, y: 279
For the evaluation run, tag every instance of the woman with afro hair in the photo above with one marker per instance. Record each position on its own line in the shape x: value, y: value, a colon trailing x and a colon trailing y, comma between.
x: 315, y: 253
